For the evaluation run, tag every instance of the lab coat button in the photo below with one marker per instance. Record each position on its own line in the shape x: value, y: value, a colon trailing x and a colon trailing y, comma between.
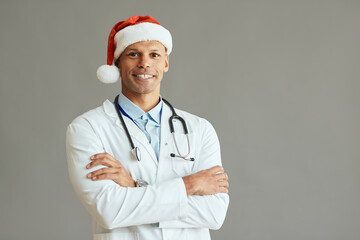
x: 166, y: 144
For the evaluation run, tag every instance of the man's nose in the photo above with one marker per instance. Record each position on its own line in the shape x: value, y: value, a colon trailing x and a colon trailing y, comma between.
x: 144, y: 62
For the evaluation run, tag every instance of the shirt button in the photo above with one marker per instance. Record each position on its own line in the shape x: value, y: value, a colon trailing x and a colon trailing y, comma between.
x: 166, y: 144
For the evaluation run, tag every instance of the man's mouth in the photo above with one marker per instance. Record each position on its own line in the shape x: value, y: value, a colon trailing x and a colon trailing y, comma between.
x: 143, y: 76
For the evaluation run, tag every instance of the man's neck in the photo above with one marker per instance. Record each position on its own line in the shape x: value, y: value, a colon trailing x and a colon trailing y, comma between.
x: 144, y: 101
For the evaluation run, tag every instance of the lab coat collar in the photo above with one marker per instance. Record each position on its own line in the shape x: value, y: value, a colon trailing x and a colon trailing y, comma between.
x: 129, y: 107
x: 109, y: 110
x: 135, y: 112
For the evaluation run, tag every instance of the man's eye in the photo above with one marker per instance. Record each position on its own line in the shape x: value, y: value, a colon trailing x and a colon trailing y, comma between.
x: 155, y: 55
x: 133, y: 54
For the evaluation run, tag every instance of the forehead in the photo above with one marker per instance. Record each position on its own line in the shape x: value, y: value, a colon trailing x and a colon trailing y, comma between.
x: 146, y: 45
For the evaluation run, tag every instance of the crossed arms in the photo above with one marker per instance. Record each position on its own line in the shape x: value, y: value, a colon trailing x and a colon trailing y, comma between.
x: 206, y: 182
x: 108, y: 192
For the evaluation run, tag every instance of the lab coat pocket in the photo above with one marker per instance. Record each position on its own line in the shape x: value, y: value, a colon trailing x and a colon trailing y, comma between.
x: 117, y: 236
x: 180, y: 166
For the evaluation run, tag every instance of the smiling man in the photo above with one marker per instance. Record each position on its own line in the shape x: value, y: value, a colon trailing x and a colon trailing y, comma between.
x: 142, y: 66
x: 143, y: 169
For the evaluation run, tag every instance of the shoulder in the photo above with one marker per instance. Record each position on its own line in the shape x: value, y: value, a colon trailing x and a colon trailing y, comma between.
x: 196, y: 123
x: 201, y: 131
x: 93, y: 117
x: 189, y: 116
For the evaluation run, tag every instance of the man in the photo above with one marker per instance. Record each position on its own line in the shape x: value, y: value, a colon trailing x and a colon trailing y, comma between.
x: 136, y: 178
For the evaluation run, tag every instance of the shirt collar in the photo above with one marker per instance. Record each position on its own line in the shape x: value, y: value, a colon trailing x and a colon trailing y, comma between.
x: 135, y: 112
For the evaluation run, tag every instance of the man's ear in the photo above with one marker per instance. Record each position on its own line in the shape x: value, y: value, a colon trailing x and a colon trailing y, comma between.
x: 166, y: 63
x: 117, y: 62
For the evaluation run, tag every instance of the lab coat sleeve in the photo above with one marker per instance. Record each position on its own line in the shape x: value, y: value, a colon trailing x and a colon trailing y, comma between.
x: 111, y: 205
x: 204, y: 211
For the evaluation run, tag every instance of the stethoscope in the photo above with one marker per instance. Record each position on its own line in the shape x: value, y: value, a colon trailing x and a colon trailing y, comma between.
x: 136, y: 151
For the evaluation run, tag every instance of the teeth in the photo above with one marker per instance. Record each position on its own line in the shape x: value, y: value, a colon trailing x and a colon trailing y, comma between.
x: 144, y: 76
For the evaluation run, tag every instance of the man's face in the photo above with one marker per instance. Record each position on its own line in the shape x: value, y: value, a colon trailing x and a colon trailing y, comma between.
x: 142, y: 65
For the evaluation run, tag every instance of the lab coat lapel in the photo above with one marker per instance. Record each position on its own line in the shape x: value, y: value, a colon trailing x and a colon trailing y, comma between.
x: 166, y: 146
x: 136, y: 134
x: 165, y: 135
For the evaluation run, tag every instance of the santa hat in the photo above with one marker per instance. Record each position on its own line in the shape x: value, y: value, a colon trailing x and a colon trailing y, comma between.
x: 125, y: 33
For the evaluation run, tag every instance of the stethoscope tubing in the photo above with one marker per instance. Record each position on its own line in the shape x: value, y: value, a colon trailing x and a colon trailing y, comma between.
x: 123, y: 122
x: 136, y: 151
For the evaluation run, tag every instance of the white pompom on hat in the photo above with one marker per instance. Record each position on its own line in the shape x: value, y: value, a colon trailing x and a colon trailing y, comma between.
x: 125, y: 33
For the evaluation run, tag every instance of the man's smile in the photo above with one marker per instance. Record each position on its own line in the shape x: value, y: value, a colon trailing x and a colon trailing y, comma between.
x: 143, y: 76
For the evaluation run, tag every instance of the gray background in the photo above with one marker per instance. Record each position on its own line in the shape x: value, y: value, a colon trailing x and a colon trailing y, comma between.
x: 279, y: 80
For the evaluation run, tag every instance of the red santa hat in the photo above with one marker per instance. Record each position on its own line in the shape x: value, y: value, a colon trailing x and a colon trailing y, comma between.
x: 125, y: 33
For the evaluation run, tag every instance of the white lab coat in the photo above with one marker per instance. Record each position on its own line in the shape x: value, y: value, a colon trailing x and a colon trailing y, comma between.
x: 161, y: 210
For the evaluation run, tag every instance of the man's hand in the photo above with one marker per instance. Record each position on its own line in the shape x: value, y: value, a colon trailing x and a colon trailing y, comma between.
x: 210, y: 181
x: 115, y: 171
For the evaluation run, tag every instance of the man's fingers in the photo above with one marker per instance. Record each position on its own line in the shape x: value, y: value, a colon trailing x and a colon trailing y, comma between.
x: 103, y: 176
x: 224, y: 184
x: 222, y: 176
x: 224, y: 190
x: 102, y: 171
x: 216, y: 169
x: 101, y: 155
x: 103, y: 161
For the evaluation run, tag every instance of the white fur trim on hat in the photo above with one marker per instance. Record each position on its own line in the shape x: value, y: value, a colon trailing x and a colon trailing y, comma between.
x: 141, y: 32
x: 108, y: 73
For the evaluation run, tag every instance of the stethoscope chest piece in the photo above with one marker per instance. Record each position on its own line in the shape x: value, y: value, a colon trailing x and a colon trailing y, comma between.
x: 136, y: 153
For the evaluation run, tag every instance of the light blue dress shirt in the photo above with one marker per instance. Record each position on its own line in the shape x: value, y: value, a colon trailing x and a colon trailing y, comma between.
x: 149, y: 122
